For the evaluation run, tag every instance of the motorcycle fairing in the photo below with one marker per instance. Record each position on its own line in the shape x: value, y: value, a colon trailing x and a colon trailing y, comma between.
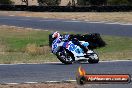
x: 76, y: 50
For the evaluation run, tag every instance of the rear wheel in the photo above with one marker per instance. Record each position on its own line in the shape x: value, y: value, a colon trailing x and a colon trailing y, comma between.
x: 93, y: 58
x: 65, y: 56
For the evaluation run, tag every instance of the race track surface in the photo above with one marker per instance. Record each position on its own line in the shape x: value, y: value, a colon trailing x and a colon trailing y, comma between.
x: 69, y: 25
x: 21, y: 73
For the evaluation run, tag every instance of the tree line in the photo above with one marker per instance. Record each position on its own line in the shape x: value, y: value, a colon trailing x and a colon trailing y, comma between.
x: 79, y: 2
x: 104, y: 2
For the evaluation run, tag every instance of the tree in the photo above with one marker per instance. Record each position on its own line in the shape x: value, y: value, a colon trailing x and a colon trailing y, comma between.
x: 49, y: 2
x: 25, y: 1
x: 69, y: 3
x: 73, y: 3
x: 6, y: 2
x: 130, y: 2
x: 97, y: 2
x: 91, y: 2
x: 118, y: 2
x: 80, y: 2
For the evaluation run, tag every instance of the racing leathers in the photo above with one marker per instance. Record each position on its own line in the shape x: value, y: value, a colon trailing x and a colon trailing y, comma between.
x: 76, y: 42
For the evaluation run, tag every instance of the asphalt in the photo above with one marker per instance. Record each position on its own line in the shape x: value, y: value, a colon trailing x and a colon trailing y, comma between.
x: 69, y: 25
x: 21, y: 73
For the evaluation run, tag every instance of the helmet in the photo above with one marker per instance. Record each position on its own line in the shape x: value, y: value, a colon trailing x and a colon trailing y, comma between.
x: 56, y: 35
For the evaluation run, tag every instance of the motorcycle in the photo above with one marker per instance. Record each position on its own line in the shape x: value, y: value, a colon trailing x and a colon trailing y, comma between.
x: 67, y: 52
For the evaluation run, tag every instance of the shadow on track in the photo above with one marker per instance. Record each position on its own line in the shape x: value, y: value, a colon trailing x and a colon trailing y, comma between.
x: 77, y: 63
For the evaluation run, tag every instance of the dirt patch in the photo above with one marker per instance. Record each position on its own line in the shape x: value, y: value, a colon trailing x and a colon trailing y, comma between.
x: 60, y: 85
x: 124, y: 17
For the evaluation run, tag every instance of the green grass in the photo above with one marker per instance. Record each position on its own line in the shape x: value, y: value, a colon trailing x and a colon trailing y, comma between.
x: 23, y: 46
x: 117, y: 48
x: 18, y: 39
x: 116, y: 44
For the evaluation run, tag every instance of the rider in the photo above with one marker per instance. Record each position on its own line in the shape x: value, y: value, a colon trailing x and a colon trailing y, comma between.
x: 67, y: 37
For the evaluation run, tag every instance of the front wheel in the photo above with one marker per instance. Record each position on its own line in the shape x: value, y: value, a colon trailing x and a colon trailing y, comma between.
x: 65, y: 57
x: 93, y: 58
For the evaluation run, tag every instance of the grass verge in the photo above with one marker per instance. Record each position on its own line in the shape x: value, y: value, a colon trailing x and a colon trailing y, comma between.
x: 21, y: 45
x: 117, y: 48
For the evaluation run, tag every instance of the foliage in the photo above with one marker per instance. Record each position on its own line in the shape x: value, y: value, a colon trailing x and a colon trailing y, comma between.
x: 49, y: 2
x: 104, y: 2
x: 6, y: 2
x: 118, y: 2
x: 81, y: 2
x: 97, y: 2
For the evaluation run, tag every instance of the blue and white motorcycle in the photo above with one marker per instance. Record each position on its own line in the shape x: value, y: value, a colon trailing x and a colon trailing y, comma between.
x: 68, y: 53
